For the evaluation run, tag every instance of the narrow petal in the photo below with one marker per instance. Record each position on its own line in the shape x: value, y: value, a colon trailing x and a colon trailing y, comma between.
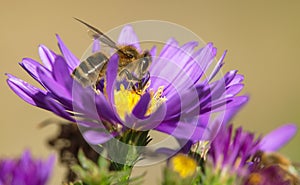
x: 233, y: 90
x: 237, y: 79
x: 141, y: 107
x: 111, y: 74
x: 181, y: 130
x: 47, y: 56
x: 71, y: 59
x: 61, y: 73
x: 278, y: 138
x: 217, y: 67
x: 91, y: 105
x: 231, y: 112
x: 153, y: 51
x: 150, y: 122
x: 84, y: 102
x: 27, y: 92
x: 224, y: 104
x: 46, y: 169
x: 184, y: 55
x: 169, y: 49
x: 97, y: 137
x: 202, y: 59
x: 31, y: 66
x: 105, y: 110
x: 221, y: 120
x: 58, y: 109
x: 129, y: 37
x: 96, y: 46
x: 57, y: 89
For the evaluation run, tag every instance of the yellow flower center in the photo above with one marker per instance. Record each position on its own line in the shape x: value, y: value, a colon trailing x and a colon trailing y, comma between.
x: 184, y: 165
x: 126, y: 100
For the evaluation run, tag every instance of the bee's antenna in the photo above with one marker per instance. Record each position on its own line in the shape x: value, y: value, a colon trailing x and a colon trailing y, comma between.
x: 97, y: 34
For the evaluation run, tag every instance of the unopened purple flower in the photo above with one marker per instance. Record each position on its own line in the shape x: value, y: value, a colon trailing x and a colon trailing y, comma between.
x: 231, y: 149
x: 178, y: 100
x: 25, y: 171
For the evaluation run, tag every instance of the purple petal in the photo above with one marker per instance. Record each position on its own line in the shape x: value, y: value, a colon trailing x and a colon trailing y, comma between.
x: 278, y: 138
x: 153, y: 51
x: 231, y: 112
x: 202, y: 60
x: 172, y: 77
x: 71, y: 59
x: 58, y: 89
x: 181, y: 130
x: 169, y: 49
x: 185, y: 53
x: 217, y: 67
x: 104, y: 109
x: 167, y: 151
x: 27, y: 92
x: 96, y: 46
x: 92, y: 106
x: 141, y: 107
x: 97, y: 137
x: 149, y: 122
x: 129, y: 37
x: 84, y: 101
x: 237, y: 79
x: 47, y: 56
x: 31, y: 66
x: 61, y: 73
x: 160, y: 63
x: 46, y: 169
x: 111, y: 74
x: 225, y: 103
x: 233, y: 90
x: 221, y: 120
x: 58, y: 109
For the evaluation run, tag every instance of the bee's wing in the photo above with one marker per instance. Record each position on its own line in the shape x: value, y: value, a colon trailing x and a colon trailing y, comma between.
x: 97, y: 34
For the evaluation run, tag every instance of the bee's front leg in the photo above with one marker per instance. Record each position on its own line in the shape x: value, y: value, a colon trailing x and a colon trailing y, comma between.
x: 142, y: 83
x: 94, y: 87
x: 131, y: 80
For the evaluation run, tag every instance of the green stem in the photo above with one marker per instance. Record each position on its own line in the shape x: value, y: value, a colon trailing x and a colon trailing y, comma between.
x: 130, y: 154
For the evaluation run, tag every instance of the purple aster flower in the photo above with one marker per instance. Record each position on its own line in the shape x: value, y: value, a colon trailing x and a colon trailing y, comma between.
x: 231, y: 152
x: 178, y: 99
x: 25, y: 171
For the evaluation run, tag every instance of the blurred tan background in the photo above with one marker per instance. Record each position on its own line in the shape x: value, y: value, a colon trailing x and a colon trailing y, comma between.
x: 262, y: 38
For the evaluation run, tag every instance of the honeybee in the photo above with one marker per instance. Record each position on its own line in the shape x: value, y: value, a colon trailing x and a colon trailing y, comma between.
x: 133, y: 65
x: 263, y: 160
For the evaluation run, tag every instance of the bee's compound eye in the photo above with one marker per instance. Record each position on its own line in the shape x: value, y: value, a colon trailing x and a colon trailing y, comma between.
x: 145, y: 64
x: 130, y: 55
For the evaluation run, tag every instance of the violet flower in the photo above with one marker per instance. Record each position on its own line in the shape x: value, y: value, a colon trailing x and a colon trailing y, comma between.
x: 25, y: 171
x: 231, y: 150
x: 178, y: 100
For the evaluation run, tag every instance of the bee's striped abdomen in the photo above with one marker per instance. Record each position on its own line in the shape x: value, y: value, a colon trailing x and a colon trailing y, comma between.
x: 88, y: 71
